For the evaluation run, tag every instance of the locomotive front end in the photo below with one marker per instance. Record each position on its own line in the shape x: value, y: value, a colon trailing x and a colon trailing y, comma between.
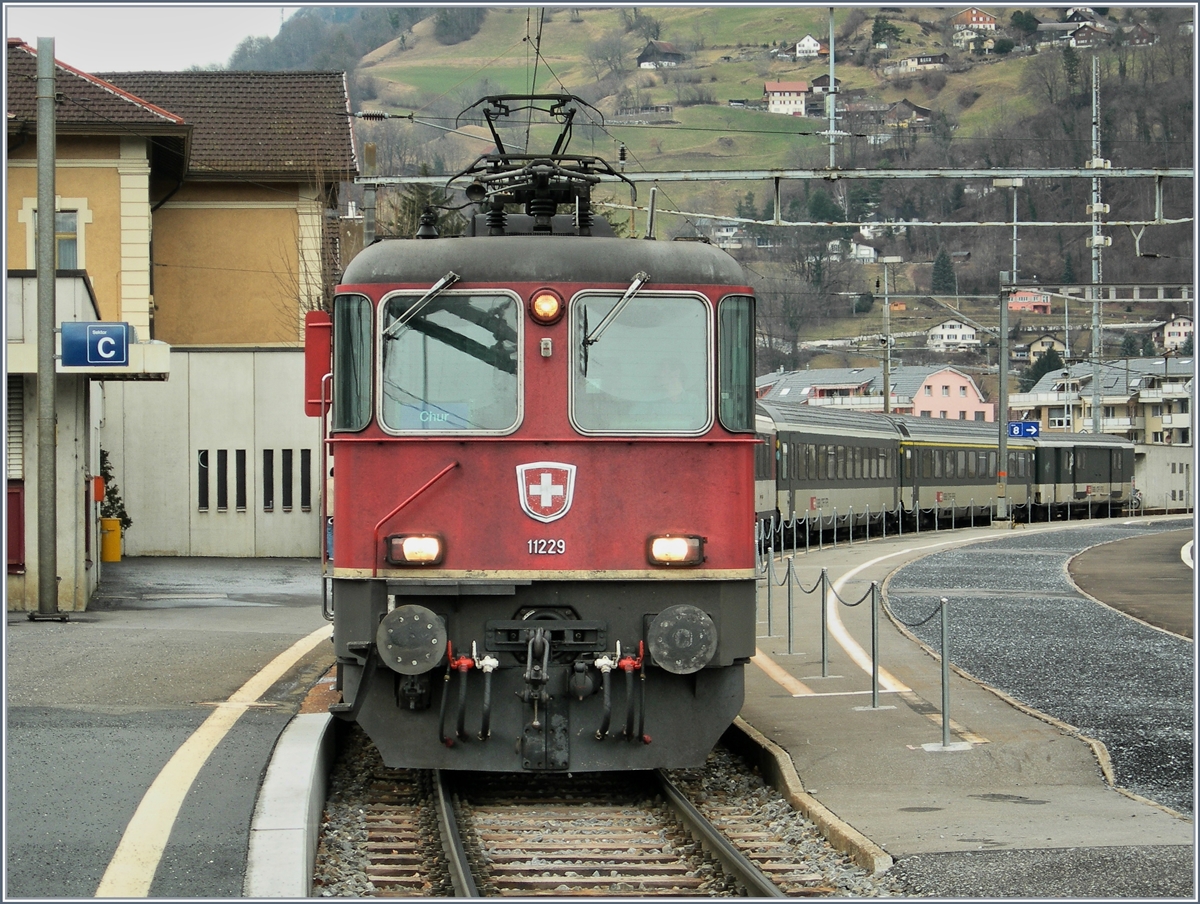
x: 543, y: 518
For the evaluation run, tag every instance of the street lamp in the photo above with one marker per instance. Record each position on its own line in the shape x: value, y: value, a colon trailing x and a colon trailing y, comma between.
x: 1002, y: 413
x: 887, y: 335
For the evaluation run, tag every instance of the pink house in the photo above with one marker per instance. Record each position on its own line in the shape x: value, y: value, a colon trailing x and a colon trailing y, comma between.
x: 1032, y: 300
x: 950, y: 394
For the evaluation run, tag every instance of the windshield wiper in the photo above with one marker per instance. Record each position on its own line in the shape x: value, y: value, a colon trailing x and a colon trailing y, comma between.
x: 393, y: 329
x: 634, y: 287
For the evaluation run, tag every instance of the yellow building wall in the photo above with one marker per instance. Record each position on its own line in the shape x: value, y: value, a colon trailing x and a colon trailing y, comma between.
x: 86, y: 168
x: 225, y: 263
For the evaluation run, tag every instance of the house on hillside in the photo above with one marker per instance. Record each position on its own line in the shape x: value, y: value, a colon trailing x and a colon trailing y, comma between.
x: 925, y: 62
x: 809, y: 48
x: 904, y: 114
x: 787, y: 98
x: 1089, y: 36
x: 974, y: 18
x: 1032, y: 300
x: 1172, y: 334
x: 952, y: 335
x: 1045, y: 343
x: 660, y: 55
x: 1138, y: 35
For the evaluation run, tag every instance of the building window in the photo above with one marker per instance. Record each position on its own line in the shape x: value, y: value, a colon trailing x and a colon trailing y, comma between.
x: 306, y: 480
x: 268, y: 480
x: 962, y: 392
x: 285, y: 478
x: 962, y: 415
x: 240, y: 489
x: 202, y: 480
x: 71, y: 216
x: 222, y: 480
x: 928, y: 390
x: 1156, y: 436
x: 945, y: 390
x: 942, y: 414
x: 979, y: 416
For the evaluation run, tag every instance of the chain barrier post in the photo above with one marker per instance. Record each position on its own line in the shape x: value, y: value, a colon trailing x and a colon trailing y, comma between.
x: 807, y: 534
x: 899, y: 519
x: 972, y: 511
x: 770, y: 584
x: 850, y: 524
x: 824, y: 622
x: 835, y: 527
x: 789, y: 577
x: 821, y: 528
x: 868, y: 540
x: 874, y: 645
x: 945, y: 672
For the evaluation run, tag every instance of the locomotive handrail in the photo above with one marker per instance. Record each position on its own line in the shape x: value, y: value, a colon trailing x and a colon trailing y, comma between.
x: 440, y: 474
x: 326, y: 600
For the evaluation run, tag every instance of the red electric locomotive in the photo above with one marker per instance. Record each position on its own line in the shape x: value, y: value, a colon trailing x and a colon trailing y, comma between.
x: 543, y: 525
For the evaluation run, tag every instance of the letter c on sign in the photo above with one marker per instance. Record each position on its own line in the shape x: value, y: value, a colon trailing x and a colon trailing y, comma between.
x: 104, y: 347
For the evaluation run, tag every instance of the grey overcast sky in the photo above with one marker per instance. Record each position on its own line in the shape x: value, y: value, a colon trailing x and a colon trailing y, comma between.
x: 112, y: 37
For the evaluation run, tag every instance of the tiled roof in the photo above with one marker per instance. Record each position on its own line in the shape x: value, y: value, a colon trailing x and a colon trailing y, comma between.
x: 89, y: 104
x: 262, y: 124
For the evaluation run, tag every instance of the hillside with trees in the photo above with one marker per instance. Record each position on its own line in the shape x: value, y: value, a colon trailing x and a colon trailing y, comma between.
x: 1009, y: 101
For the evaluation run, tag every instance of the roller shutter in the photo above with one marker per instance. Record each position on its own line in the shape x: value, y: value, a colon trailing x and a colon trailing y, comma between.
x: 16, y: 427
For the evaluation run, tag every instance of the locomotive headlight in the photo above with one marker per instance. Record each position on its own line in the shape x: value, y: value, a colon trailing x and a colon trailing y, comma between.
x: 545, y: 307
x: 671, y: 549
x: 415, y: 549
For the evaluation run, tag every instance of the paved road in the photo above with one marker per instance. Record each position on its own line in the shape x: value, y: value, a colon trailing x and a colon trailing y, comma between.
x: 1144, y: 577
x: 98, y: 705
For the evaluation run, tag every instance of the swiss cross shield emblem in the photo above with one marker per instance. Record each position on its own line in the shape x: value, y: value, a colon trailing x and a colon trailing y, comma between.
x: 545, y: 489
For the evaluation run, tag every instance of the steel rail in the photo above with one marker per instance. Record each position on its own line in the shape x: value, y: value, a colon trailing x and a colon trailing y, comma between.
x: 736, y: 864
x: 452, y: 843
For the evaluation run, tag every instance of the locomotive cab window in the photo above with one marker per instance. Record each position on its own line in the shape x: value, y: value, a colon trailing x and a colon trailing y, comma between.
x: 450, y: 364
x: 351, y: 362
x: 647, y: 370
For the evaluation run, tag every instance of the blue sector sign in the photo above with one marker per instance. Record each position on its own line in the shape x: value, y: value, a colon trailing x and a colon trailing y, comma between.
x: 1023, y: 428
x: 95, y: 344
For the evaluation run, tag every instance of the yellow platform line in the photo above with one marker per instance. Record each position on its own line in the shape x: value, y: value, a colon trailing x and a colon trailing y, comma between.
x: 132, y: 867
x: 780, y: 675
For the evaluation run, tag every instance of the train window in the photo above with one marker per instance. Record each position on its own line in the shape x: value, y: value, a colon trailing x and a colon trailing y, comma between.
x: 890, y: 461
x: 950, y: 460
x: 822, y: 459
x: 351, y: 362
x: 735, y: 364
x: 451, y: 365
x: 647, y: 371
x: 937, y: 463
x: 841, y: 462
x: 972, y: 464
x: 961, y: 455
x: 991, y: 464
x: 783, y: 462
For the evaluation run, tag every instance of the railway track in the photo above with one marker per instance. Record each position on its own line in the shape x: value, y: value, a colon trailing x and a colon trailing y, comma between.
x: 426, y: 833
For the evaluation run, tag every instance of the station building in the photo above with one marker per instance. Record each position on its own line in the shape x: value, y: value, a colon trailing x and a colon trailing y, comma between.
x: 199, y: 208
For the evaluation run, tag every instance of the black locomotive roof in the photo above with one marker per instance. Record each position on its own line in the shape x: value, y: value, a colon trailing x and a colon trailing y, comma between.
x: 539, y: 258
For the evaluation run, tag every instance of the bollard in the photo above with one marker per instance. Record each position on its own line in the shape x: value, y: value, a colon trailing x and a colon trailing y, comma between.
x: 945, y: 673
x: 972, y: 511
x: 835, y: 527
x: 770, y: 583
x: 850, y: 523
x: 868, y: 540
x: 807, y: 534
x: 824, y: 622
x: 820, y: 529
x: 874, y: 645
x: 788, y: 578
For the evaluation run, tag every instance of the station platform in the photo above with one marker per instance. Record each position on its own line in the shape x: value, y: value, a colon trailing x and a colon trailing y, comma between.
x: 1012, y: 786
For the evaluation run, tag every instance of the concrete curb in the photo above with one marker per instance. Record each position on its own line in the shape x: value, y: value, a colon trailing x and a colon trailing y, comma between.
x: 777, y: 768
x: 287, y: 816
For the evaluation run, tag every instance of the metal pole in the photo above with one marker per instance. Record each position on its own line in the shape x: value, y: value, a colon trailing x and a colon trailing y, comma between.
x: 47, y: 440
x: 770, y: 579
x: 875, y: 645
x: 789, y: 602
x: 945, y: 672
x: 824, y: 622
